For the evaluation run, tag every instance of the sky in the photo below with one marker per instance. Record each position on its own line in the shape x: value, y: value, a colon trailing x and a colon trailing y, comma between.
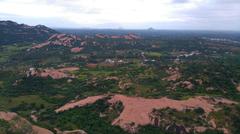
x: 126, y: 14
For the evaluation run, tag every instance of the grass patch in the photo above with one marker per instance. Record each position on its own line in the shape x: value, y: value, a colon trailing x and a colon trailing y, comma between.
x: 8, y: 103
x: 153, y: 54
x: 7, y: 51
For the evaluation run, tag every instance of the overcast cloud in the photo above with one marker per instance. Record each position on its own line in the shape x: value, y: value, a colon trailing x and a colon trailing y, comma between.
x: 134, y: 14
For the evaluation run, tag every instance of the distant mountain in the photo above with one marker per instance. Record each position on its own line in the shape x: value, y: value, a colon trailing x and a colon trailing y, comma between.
x: 150, y: 29
x: 12, y: 32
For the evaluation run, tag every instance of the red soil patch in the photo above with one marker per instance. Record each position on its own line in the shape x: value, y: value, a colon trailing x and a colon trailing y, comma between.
x: 91, y: 65
x: 76, y: 49
x: 73, y: 104
x: 68, y: 69
x: 200, y: 129
x: 133, y: 36
x: 41, y: 45
x: 55, y: 74
x: 40, y: 130
x: 7, y: 116
x: 137, y: 110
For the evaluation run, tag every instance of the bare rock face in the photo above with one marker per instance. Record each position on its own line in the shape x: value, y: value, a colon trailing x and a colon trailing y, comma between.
x: 66, y: 40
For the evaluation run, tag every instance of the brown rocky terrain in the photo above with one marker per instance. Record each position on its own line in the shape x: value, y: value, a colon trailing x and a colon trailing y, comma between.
x: 174, y: 74
x: 183, y: 84
x: 60, y: 40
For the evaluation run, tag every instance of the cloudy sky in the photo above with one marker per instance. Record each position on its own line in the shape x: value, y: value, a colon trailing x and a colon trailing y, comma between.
x: 129, y: 14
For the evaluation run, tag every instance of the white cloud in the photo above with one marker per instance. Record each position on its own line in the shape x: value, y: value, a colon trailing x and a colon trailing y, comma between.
x: 97, y: 11
x: 90, y: 13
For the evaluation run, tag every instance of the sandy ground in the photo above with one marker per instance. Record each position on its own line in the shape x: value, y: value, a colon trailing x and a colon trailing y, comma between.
x: 137, y: 110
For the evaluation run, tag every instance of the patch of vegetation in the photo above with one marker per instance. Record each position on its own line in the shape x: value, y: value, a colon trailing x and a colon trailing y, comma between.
x: 4, y: 127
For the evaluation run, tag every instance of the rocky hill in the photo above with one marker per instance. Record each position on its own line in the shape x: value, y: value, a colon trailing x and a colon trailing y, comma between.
x: 12, y: 32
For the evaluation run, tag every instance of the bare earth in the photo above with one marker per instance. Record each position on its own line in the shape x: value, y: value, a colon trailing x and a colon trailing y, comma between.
x: 40, y: 130
x: 137, y: 110
x: 76, y: 49
x: 73, y: 104
x: 7, y: 116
